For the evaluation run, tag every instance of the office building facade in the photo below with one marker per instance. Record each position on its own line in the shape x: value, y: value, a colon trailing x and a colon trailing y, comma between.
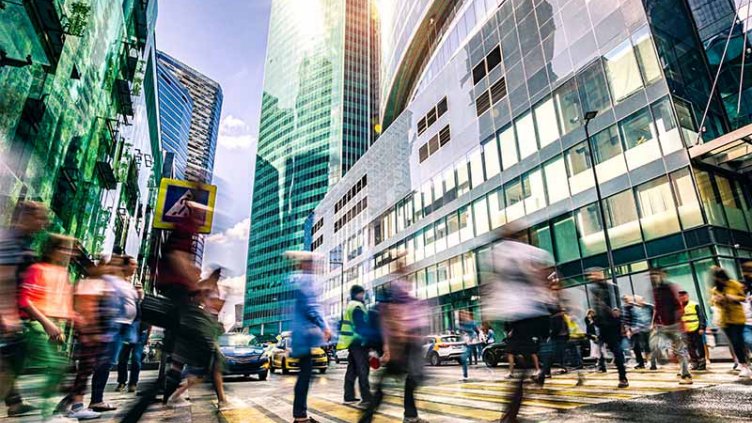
x: 484, y: 108
x: 175, y: 114
x: 318, y: 117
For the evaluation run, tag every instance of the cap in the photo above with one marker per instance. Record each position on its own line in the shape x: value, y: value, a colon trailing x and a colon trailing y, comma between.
x: 355, y: 290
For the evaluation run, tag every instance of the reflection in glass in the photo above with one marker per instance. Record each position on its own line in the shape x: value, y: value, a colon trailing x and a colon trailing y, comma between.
x: 608, y: 154
x: 556, y: 180
x: 463, y: 179
x: 453, y: 230
x: 668, y: 131
x: 592, y: 240
x: 565, y: 234
x: 491, y: 159
x: 480, y: 210
x: 651, y: 68
x: 578, y: 166
x: 640, y: 140
x: 526, y: 135
x: 686, y: 198
x: 545, y: 122
x: 568, y: 105
x: 534, y: 191
x: 657, y: 209
x: 623, y: 72
x: 593, y: 88
x: 476, y: 168
x: 710, y: 201
x: 621, y: 219
x: 508, y: 147
x: 731, y: 204
x: 496, y: 207
x: 514, y: 196
x: 465, y: 224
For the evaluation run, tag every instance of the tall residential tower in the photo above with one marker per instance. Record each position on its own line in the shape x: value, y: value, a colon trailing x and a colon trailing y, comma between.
x: 318, y: 117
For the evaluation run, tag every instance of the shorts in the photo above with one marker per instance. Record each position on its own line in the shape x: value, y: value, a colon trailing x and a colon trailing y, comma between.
x: 527, y: 334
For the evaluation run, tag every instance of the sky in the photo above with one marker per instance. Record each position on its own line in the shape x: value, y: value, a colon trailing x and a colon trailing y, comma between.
x: 226, y: 41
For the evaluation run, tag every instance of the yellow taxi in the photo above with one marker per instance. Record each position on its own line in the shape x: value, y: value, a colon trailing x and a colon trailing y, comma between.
x: 280, y: 356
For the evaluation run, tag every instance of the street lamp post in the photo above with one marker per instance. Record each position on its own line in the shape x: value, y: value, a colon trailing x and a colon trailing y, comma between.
x: 609, y: 254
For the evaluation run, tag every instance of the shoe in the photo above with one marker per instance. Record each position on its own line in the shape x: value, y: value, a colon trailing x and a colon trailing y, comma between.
x: 230, y: 404
x: 57, y: 418
x: 20, y: 410
x: 701, y: 367
x: 463, y: 379
x: 177, y: 402
x: 102, y: 406
x: 414, y: 420
x: 653, y: 367
x: 83, y: 414
x: 509, y: 376
x: 639, y: 367
x: 746, y: 373
x: 131, y: 388
x: 364, y: 404
x: 686, y: 380
x: 623, y: 383
x: 736, y: 365
x: 306, y: 420
x: 580, y: 379
x: 351, y: 400
x: 120, y: 387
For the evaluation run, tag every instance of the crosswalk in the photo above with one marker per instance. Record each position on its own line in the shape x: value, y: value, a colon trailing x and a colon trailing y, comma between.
x: 476, y: 400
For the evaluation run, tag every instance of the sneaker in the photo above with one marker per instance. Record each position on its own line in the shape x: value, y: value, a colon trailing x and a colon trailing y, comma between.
x: 601, y: 370
x: 230, y: 404
x: 686, y: 380
x: 120, y: 387
x: 509, y: 376
x: 580, y: 379
x: 623, y: 383
x: 57, y: 418
x: 746, y: 373
x: 20, y: 410
x: 414, y: 420
x: 639, y: 367
x: 83, y: 414
x: 364, y: 404
x: 102, y: 406
x: 177, y: 402
x: 701, y: 367
x: 653, y: 367
x: 131, y: 388
x: 351, y: 400
x: 736, y: 366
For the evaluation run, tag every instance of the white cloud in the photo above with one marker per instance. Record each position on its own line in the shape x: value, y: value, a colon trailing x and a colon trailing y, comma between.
x: 238, y: 232
x: 235, y: 134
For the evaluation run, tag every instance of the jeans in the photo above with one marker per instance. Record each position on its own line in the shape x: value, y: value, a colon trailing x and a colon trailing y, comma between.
x: 748, y: 337
x: 11, y: 365
x: 640, y: 346
x: 611, y: 336
x: 467, y: 356
x: 300, y: 404
x: 552, y: 350
x: 134, y: 352
x: 406, y: 361
x: 357, y: 368
x: 696, y: 346
x: 107, y: 359
x: 673, y: 335
x: 735, y: 334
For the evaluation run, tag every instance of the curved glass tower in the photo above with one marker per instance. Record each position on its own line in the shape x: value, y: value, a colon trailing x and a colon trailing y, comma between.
x: 175, y: 111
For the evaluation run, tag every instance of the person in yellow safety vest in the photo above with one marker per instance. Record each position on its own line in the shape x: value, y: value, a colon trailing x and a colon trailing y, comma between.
x: 694, y: 329
x: 351, y: 337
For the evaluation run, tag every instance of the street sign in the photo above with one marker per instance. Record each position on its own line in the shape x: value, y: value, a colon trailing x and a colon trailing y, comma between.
x: 173, y: 199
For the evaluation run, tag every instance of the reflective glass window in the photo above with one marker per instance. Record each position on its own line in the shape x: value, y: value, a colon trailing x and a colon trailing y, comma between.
x: 565, y: 239
x: 526, y: 140
x: 668, y: 130
x: 476, y: 167
x: 420, y: 252
x: 534, y: 190
x: 686, y: 199
x: 427, y: 193
x: 646, y: 57
x: 455, y: 274
x: 607, y: 150
x: 568, y: 106
x: 591, y: 236
x: 465, y: 224
x: 731, y: 204
x: 438, y: 191
x: 540, y: 236
x: 578, y: 167
x: 657, y: 209
x: 431, y: 289
x: 450, y: 187
x: 593, y: 88
x: 514, y: 196
x: 622, y: 70
x: 480, y: 211
x: 710, y: 201
x: 496, y: 208
x: 420, y: 279
x: 621, y: 219
x: 640, y: 141
x: 469, y: 269
x: 556, y: 180
x: 430, y: 238
x: 508, y: 147
x: 491, y: 158
x: 442, y: 277
x: 546, y: 123
x: 463, y: 179
x: 453, y: 230
x: 440, y: 227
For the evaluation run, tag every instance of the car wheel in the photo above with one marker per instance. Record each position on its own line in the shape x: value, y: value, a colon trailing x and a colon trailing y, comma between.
x: 322, y: 371
x: 490, y: 359
x: 263, y: 375
x: 271, y: 366
x: 435, y: 360
x: 285, y: 370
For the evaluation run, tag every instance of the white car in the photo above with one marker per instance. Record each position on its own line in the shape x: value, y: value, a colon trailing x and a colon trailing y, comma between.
x: 341, y: 355
x: 440, y: 348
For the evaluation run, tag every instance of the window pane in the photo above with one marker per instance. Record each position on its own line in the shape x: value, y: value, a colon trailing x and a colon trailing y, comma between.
x: 545, y: 122
x: 591, y: 238
x: 476, y: 167
x: 463, y: 180
x: 480, y: 210
x: 455, y: 274
x: 578, y: 165
x: 469, y: 269
x: 565, y: 234
x: 686, y: 198
x: 431, y: 282
x: 556, y: 180
x: 621, y: 219
x: 651, y: 68
x: 508, y: 147
x: 623, y: 73
x: 535, y: 192
x: 453, y: 230
x: 640, y: 141
x: 668, y: 131
x: 568, y: 105
x: 440, y: 228
x: 731, y: 204
x: 657, y: 209
x: 442, y: 277
x: 438, y: 191
x: 593, y: 89
x: 466, y: 224
x: 420, y: 252
x: 421, y: 284
x: 710, y: 202
x: 540, y: 236
x: 514, y: 195
x: 496, y: 207
x: 430, y: 237
x: 427, y: 194
x: 491, y: 158
x: 450, y: 188
x: 608, y: 154
x: 526, y: 135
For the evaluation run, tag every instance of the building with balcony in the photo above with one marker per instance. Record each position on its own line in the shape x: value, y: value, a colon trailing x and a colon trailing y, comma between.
x: 509, y: 112
x: 319, y: 115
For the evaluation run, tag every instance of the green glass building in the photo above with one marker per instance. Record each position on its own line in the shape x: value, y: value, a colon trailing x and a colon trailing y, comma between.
x: 318, y: 115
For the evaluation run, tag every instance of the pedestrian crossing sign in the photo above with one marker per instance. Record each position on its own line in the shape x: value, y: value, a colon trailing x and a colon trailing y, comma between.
x: 174, y: 199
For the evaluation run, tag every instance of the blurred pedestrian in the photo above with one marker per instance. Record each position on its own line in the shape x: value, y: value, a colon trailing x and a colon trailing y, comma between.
x: 728, y: 295
x: 555, y: 346
x: 46, y: 303
x: 132, y: 352
x: 607, y: 319
x: 468, y: 329
x: 403, y: 325
x: 640, y: 318
x: 16, y: 255
x: 353, y: 332
x: 309, y: 330
x: 668, y: 326
x: 516, y: 291
x: 694, y: 329
x: 747, y: 304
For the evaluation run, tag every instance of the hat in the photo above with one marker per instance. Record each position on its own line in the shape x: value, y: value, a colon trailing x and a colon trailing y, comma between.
x: 355, y: 290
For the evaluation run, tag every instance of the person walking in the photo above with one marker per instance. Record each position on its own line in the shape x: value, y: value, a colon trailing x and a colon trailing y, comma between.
x: 607, y: 319
x: 694, y: 329
x: 352, y: 337
x: 728, y: 295
x: 667, y: 322
x: 403, y: 326
x: 133, y: 351
x: 467, y: 330
x: 16, y: 255
x: 639, y: 329
x: 747, y: 305
x: 555, y: 346
x: 309, y: 329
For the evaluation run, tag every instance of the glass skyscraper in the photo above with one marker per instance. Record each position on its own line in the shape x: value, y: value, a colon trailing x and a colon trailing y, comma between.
x: 317, y: 119
x: 175, y: 112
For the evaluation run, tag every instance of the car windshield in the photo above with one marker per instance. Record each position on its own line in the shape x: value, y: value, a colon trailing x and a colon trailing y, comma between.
x: 237, y: 340
x: 450, y: 339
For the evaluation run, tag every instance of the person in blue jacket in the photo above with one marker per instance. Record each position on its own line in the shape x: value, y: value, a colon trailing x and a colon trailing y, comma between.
x: 309, y: 329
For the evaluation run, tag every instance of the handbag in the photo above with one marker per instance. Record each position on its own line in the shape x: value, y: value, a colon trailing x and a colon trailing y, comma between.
x: 157, y: 311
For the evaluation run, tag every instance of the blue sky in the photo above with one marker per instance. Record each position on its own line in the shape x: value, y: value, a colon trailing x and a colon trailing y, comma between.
x: 225, y: 40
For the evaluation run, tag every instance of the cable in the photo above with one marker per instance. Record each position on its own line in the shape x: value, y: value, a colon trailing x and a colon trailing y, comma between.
x: 744, y: 57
